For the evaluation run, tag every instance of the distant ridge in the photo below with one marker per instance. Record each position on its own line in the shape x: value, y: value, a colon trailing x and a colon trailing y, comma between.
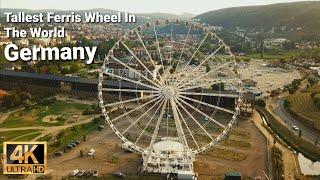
x: 304, y: 16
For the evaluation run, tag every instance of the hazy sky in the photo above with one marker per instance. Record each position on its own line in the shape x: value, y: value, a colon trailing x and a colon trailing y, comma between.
x: 137, y: 6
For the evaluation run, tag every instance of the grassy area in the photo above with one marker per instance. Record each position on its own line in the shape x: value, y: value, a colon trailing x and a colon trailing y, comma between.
x: 279, y: 54
x: 314, y: 88
x: 10, y: 135
x: 240, y: 133
x: 303, y: 108
x: 73, y: 133
x: 303, y: 105
x: 228, y: 154
x: 235, y: 143
x: 298, y: 144
x: 34, y: 116
x: 28, y: 137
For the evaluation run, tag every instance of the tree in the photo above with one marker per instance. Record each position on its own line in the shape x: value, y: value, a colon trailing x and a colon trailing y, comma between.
x: 287, y: 103
x: 81, y: 153
x: 300, y: 133
x: 312, y: 81
x: 260, y: 103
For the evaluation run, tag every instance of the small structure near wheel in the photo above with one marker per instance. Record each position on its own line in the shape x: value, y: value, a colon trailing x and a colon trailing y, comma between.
x: 232, y: 176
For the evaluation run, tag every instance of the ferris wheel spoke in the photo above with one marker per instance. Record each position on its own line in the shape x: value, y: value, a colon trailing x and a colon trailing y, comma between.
x: 154, y: 114
x: 193, y: 118
x: 201, y: 85
x: 209, y: 94
x: 195, y: 52
x: 140, y: 62
x: 183, y: 48
x: 141, y: 75
x: 185, y: 123
x: 134, y: 123
x: 130, y: 80
x: 131, y: 100
x: 202, y: 113
x: 177, y: 121
x: 179, y: 85
x: 156, y: 130
x: 135, y: 109
x: 171, y: 41
x: 150, y: 58
x: 207, y: 104
x: 160, y: 55
x: 129, y: 90
x: 204, y: 61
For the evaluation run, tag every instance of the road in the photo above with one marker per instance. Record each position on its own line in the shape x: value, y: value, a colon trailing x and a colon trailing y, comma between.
x: 289, y: 121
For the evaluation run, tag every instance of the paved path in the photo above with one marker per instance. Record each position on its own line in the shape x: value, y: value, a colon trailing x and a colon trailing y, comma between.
x: 45, y: 130
x: 291, y: 169
x: 4, y: 116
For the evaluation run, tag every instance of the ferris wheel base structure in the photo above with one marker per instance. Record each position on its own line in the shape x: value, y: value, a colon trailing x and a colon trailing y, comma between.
x: 173, y: 163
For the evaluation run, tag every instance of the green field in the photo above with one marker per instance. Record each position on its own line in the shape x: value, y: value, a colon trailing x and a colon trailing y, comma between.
x: 34, y: 116
x: 279, y: 54
x: 23, y: 135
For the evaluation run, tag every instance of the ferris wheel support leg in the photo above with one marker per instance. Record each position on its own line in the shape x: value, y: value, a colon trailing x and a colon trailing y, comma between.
x: 155, y: 134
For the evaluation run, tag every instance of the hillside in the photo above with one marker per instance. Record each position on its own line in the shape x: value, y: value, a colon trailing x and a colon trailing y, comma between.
x: 143, y: 17
x: 298, y: 18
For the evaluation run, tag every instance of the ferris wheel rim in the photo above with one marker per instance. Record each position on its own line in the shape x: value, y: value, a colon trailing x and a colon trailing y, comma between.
x: 143, y: 150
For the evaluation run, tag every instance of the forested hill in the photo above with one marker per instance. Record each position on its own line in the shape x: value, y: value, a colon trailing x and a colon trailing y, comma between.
x: 299, y: 18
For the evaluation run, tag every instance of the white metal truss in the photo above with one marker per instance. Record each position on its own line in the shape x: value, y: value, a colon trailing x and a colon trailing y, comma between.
x: 158, y: 96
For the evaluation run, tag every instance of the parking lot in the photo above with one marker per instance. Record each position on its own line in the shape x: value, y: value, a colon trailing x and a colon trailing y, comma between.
x: 267, y: 78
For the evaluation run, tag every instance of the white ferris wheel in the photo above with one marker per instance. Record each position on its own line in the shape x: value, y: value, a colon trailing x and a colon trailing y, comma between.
x: 162, y: 90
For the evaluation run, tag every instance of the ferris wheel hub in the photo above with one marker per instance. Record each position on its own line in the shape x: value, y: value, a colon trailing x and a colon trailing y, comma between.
x: 168, y: 92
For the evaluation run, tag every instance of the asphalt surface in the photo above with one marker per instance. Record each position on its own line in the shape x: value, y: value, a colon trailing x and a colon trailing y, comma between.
x: 307, y: 133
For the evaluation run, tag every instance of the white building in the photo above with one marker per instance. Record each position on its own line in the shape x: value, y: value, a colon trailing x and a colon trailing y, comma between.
x: 316, y: 70
x: 22, y: 42
x: 120, y: 70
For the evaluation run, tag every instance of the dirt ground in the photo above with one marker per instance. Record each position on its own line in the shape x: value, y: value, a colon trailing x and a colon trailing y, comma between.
x: 109, y: 157
x: 210, y: 166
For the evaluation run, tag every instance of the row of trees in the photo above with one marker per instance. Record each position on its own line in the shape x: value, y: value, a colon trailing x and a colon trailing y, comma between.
x: 294, y: 86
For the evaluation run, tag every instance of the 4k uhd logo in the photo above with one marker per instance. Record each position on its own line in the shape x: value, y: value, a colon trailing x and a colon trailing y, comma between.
x: 24, y: 157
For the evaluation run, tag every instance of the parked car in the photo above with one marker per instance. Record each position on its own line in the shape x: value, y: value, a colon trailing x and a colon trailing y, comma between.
x: 88, y: 173
x: 58, y: 153
x: 295, y: 128
x: 73, y: 144
x: 119, y: 174
x: 91, y: 152
x: 95, y: 174
x: 74, y: 172
x: 76, y: 142
x: 69, y: 146
x: 81, y: 173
